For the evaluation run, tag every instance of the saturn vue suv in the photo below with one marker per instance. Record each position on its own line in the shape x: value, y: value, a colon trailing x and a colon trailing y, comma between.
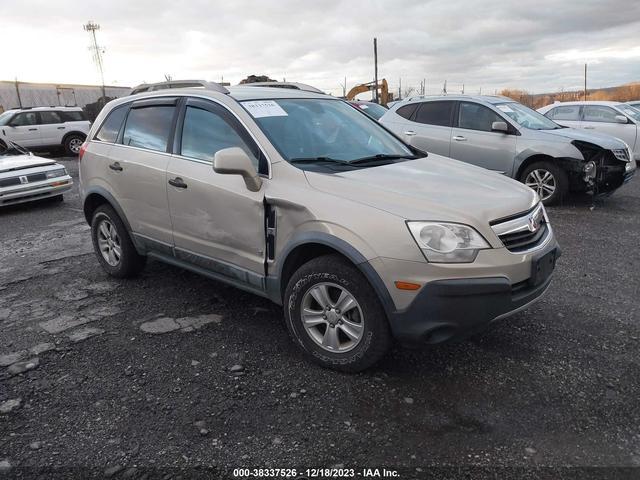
x: 305, y: 200
x: 509, y: 138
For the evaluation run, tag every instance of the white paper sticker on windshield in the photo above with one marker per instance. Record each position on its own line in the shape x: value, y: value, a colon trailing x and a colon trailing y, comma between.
x: 504, y: 108
x: 264, y: 108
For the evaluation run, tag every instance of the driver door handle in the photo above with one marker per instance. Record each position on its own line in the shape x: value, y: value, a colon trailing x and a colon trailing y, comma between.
x: 177, y: 182
x: 33, y: 129
x: 460, y: 138
x: 589, y: 128
x: 116, y: 166
x: 410, y: 133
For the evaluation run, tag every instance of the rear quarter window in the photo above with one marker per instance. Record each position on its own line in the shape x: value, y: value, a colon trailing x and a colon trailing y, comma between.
x: 73, y: 116
x: 111, y: 127
x: 407, y: 111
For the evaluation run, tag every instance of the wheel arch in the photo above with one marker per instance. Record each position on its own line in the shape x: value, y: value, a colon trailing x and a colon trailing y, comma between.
x: 73, y: 132
x: 310, y: 245
x: 96, y: 196
x: 538, y: 157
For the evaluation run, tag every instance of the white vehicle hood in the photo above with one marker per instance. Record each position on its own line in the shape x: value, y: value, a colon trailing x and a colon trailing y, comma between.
x: 10, y: 163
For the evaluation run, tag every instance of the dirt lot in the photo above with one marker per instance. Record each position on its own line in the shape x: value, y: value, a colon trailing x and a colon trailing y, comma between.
x: 101, y: 390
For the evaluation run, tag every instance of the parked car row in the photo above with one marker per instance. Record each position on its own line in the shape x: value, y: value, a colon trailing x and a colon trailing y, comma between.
x: 509, y: 138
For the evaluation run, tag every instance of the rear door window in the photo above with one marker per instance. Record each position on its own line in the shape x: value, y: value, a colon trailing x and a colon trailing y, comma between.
x: 149, y: 127
x: 568, y: 113
x: 435, y: 113
x: 111, y: 127
x: 474, y: 116
x: 50, y: 118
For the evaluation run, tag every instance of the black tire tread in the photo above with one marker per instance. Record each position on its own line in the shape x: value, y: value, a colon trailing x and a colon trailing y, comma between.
x: 131, y: 262
x: 337, y: 269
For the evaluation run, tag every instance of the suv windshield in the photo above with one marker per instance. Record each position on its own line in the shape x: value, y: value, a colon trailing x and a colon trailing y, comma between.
x: 525, y: 117
x: 318, y: 131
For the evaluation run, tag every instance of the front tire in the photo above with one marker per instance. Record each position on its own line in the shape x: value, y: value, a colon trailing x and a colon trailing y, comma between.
x: 72, y: 144
x: 548, y: 180
x: 113, y: 246
x: 334, y: 315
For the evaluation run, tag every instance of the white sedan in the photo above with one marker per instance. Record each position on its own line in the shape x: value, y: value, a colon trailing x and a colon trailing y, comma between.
x: 618, y: 119
x: 25, y: 177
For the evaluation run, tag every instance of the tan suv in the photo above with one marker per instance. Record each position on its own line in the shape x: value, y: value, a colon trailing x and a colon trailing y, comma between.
x: 303, y: 199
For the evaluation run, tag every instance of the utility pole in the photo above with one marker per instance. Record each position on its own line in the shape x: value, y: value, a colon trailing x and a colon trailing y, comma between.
x: 400, y: 88
x: 18, y: 93
x: 375, y: 63
x: 444, y: 88
x: 91, y: 27
x: 463, y: 89
x: 585, y: 82
x: 344, y: 88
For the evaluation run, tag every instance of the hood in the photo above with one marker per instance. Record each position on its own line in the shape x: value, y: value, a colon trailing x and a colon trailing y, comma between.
x: 430, y: 188
x: 18, y: 162
x: 607, y: 142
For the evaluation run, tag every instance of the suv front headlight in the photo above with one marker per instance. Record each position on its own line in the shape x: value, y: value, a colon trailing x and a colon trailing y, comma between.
x: 443, y: 242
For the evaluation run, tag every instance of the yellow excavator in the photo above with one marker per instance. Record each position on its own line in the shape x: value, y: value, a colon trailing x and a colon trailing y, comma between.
x: 382, y: 87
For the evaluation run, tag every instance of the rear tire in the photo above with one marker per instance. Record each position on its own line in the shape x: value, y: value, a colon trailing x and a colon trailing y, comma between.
x: 72, y: 144
x: 354, y: 333
x: 113, y: 246
x: 548, y: 180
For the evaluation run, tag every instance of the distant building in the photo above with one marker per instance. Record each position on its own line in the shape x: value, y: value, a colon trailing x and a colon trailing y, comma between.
x: 24, y: 94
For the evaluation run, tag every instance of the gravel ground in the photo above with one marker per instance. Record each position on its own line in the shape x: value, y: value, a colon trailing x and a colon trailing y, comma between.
x: 175, y: 374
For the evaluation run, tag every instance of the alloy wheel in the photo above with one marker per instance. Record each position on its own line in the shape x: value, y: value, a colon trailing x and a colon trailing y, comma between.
x: 542, y: 181
x: 75, y: 144
x: 332, y: 317
x: 109, y: 242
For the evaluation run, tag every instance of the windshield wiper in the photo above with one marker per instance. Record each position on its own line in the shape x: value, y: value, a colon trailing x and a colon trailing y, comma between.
x: 316, y: 160
x: 380, y: 157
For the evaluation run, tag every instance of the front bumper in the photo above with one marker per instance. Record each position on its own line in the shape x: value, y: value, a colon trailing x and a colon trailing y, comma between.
x: 35, y: 191
x: 448, y: 310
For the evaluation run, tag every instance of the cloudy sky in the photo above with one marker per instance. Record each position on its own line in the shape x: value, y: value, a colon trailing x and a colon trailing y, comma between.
x: 538, y: 46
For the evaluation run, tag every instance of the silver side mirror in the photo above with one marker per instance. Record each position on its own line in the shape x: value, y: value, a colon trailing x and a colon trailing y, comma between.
x: 621, y: 119
x: 500, y: 127
x: 235, y: 161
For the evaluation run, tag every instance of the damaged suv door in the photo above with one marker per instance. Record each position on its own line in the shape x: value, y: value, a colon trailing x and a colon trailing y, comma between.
x: 214, y: 214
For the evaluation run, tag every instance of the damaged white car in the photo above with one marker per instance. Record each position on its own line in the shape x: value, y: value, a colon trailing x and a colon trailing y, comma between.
x: 25, y: 177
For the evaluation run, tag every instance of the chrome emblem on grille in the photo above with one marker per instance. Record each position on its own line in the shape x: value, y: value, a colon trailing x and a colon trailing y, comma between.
x: 23, y: 179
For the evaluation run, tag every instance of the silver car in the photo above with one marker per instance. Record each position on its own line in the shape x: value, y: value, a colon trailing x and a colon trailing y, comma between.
x: 612, y: 118
x: 505, y: 136
x: 25, y: 177
x: 305, y: 200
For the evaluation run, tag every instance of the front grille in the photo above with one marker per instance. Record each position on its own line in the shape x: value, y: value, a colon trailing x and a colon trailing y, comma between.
x: 525, y: 232
x: 517, y: 242
x: 621, y: 154
x: 34, y: 177
x: 9, y: 182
